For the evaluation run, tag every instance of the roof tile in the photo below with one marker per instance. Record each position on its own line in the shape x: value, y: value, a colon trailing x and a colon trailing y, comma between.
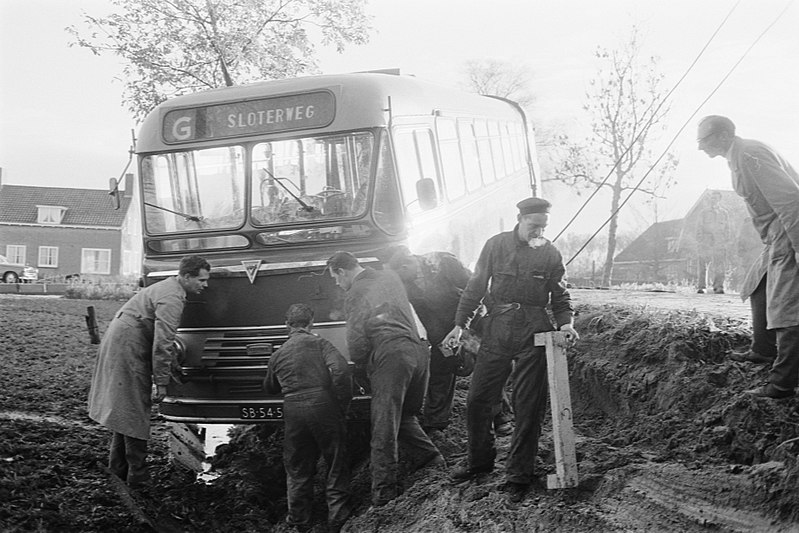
x: 85, y: 207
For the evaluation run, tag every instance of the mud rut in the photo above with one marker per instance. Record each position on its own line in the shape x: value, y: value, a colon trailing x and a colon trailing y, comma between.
x: 665, y: 442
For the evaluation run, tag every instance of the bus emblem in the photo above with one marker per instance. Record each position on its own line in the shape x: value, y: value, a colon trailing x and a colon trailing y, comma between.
x: 251, y: 268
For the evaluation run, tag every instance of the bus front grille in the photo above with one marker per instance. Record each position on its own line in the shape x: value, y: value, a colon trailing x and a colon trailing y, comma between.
x: 248, y: 348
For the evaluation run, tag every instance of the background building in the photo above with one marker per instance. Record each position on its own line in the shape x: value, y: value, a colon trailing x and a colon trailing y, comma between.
x: 64, y: 231
x: 669, y: 252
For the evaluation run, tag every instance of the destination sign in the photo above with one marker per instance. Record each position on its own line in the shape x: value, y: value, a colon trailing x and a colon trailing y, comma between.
x: 234, y: 119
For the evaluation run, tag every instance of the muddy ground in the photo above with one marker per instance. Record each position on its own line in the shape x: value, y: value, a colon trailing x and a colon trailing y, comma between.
x: 665, y: 439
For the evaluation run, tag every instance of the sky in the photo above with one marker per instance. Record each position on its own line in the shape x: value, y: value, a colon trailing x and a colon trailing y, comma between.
x: 63, y: 124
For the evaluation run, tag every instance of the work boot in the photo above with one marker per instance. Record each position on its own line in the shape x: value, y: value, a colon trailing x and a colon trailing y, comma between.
x: 750, y: 356
x: 516, y: 491
x: 771, y: 391
x: 465, y: 473
x: 436, y: 462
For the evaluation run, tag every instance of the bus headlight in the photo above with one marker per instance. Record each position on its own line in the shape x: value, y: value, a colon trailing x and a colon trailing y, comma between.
x: 179, y: 349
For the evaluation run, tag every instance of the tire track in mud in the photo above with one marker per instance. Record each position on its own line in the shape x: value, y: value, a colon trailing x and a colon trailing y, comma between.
x: 675, y: 497
x: 48, y: 419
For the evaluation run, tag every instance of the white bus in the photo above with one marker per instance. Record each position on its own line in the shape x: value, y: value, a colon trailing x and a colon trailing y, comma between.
x: 267, y: 180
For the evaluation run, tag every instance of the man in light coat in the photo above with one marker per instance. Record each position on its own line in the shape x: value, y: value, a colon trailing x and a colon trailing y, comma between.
x: 135, y: 356
x: 770, y: 187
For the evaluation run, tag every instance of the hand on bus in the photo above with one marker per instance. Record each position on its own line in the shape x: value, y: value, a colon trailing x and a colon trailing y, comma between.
x: 159, y: 393
x: 571, y: 333
x: 453, y: 338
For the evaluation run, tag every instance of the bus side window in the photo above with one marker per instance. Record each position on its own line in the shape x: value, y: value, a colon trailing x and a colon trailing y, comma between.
x: 426, y: 192
x: 451, y: 162
x: 417, y: 168
x: 471, y: 161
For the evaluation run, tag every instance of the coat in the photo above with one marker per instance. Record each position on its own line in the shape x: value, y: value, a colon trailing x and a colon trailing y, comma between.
x: 135, y: 353
x: 378, y: 313
x: 770, y: 187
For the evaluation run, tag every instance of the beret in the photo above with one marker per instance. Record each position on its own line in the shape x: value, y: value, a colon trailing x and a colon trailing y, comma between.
x: 533, y: 205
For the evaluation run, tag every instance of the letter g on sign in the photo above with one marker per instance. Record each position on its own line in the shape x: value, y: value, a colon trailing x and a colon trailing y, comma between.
x: 181, y: 129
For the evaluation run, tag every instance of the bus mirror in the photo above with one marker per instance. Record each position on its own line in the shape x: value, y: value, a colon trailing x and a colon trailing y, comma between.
x: 426, y: 192
x: 114, y: 192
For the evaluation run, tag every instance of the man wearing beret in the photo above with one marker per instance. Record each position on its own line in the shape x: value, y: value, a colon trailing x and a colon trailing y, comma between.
x: 519, y: 273
x: 770, y: 187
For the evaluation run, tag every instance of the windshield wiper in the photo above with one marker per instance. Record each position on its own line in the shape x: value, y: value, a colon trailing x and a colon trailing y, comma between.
x: 305, y: 206
x: 193, y: 218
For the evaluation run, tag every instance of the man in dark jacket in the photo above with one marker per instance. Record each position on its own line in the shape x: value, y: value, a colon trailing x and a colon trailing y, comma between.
x: 434, y: 283
x: 317, y: 387
x: 770, y: 187
x: 381, y: 334
x: 136, y: 353
x: 519, y: 273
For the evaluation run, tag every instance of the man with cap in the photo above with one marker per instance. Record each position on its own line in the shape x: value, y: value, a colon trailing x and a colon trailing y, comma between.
x: 770, y: 187
x: 519, y: 273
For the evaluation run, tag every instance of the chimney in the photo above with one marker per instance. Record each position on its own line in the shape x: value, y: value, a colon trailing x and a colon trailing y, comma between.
x: 129, y: 185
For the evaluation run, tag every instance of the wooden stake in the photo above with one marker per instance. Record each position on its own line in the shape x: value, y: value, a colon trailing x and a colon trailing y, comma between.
x: 560, y: 399
x: 91, y: 325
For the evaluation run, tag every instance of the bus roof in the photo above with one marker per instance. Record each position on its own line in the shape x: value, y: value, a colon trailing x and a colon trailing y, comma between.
x: 361, y: 100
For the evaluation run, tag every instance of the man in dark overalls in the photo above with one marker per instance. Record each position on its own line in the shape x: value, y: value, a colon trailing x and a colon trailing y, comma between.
x: 316, y: 383
x: 382, y: 334
x: 519, y: 273
x: 434, y: 283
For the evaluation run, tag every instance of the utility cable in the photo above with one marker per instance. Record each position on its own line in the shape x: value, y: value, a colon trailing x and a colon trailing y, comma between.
x: 649, y: 122
x: 685, y: 124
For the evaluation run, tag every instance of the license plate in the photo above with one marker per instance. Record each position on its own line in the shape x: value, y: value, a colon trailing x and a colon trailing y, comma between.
x: 260, y: 412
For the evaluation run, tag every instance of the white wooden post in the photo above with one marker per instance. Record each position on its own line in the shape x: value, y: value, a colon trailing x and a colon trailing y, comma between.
x: 560, y: 399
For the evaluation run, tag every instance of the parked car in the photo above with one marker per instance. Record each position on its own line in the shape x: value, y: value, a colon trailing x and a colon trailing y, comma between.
x: 10, y: 273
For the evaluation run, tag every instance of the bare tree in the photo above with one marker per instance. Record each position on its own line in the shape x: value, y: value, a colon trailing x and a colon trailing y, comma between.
x: 499, y: 78
x: 626, y: 103
x: 172, y: 47
x: 584, y: 269
x: 503, y: 79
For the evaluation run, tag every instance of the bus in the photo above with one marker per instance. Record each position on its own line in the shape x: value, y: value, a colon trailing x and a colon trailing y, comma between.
x: 268, y: 180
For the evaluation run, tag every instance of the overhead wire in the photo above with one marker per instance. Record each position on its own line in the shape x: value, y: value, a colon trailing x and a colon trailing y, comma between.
x: 685, y: 124
x: 648, y: 123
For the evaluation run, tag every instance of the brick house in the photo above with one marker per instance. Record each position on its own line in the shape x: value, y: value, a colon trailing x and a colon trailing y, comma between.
x: 64, y: 231
x: 667, y: 252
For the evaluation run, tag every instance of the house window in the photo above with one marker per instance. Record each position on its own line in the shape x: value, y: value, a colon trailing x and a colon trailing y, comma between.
x: 671, y: 245
x: 95, y: 261
x: 50, y: 214
x: 15, y: 253
x: 48, y: 256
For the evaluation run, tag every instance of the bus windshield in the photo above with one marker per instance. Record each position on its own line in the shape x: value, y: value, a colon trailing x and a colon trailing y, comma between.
x: 309, y: 179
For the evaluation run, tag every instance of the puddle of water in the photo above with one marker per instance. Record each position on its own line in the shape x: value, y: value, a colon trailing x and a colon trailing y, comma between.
x: 214, y: 435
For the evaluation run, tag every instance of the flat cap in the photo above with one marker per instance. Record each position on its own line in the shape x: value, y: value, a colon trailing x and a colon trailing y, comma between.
x: 533, y: 205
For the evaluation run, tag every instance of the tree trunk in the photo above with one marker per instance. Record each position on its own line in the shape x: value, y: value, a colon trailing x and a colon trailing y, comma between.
x: 612, y: 229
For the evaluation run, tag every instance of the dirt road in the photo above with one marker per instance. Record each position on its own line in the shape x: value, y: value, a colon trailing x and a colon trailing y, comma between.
x: 724, y: 305
x: 665, y: 439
